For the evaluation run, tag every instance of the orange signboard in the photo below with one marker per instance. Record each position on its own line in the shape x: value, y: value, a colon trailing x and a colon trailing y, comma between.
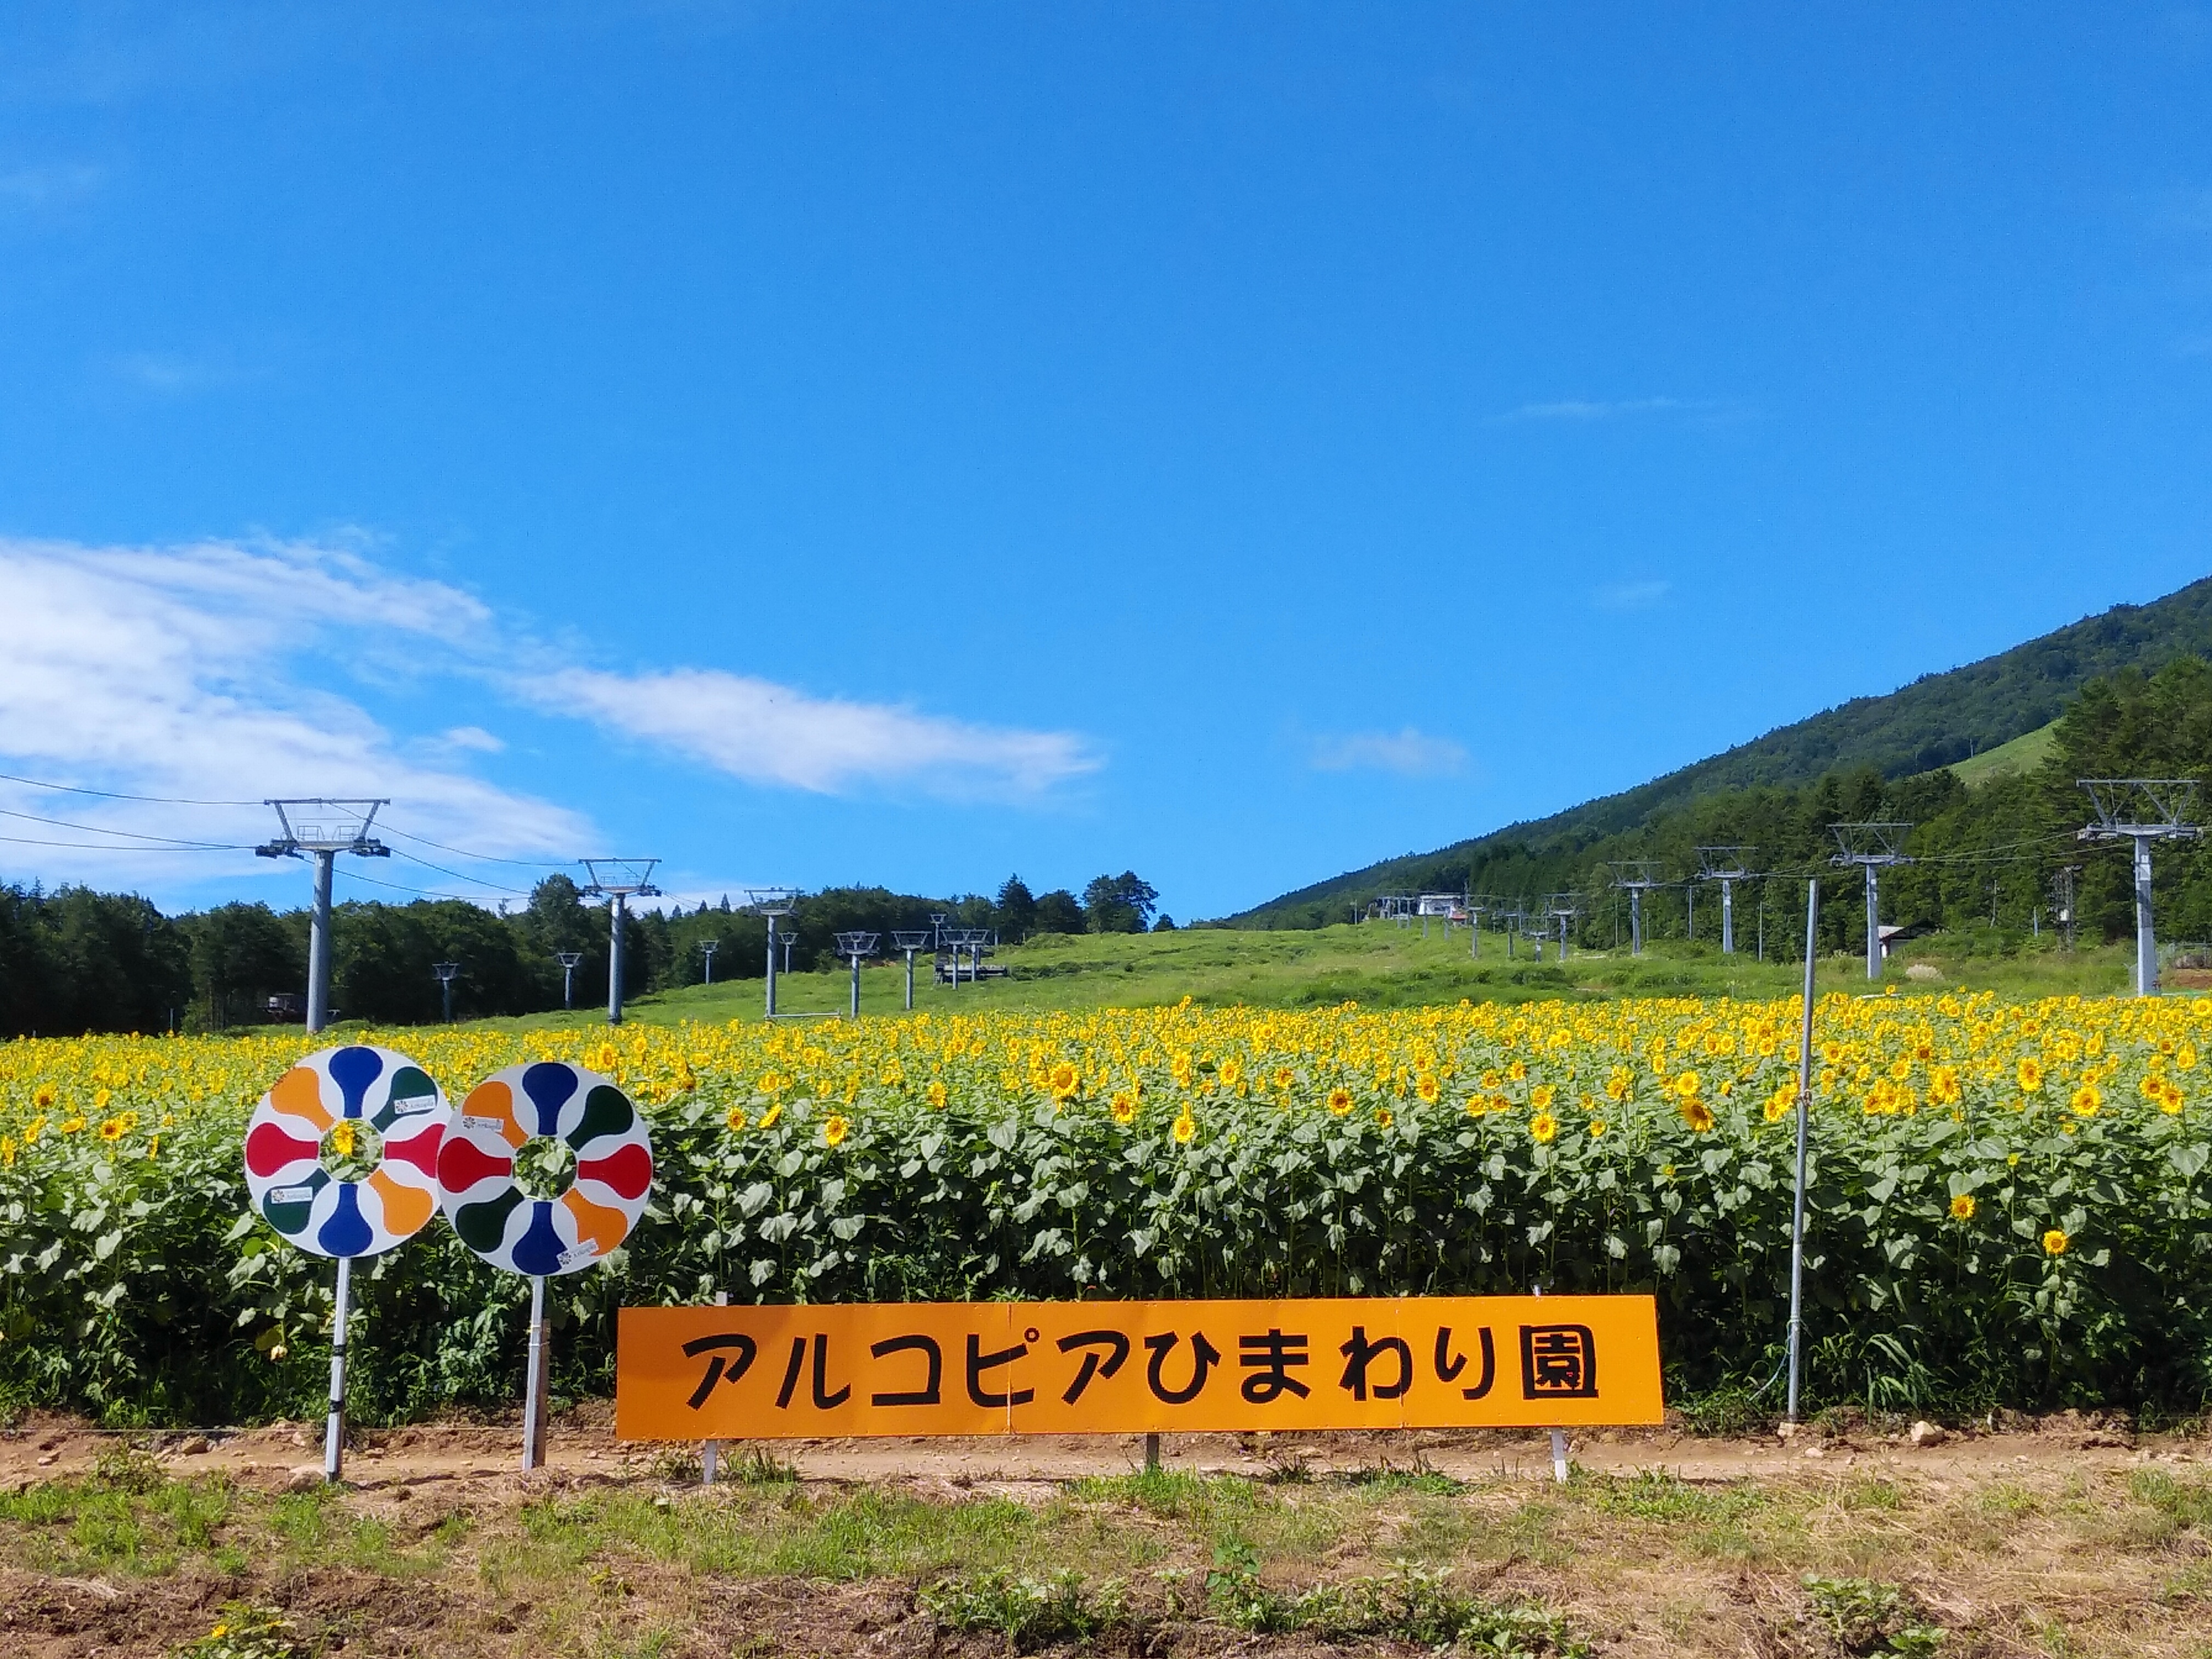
x: 925, y: 1368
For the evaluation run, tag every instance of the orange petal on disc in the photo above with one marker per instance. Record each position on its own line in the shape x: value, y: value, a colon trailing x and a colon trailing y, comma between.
x: 493, y: 1098
x: 603, y: 1226
x: 405, y: 1208
x: 299, y: 1093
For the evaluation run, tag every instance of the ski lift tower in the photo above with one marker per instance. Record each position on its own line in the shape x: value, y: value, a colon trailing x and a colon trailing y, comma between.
x: 1727, y: 865
x: 567, y: 959
x: 2143, y: 810
x: 774, y: 902
x: 1563, y: 907
x: 322, y: 829
x: 1636, y: 878
x: 1874, y: 848
x: 909, y: 942
x: 707, y: 949
x: 857, y: 948
x: 447, y: 972
x: 618, y: 881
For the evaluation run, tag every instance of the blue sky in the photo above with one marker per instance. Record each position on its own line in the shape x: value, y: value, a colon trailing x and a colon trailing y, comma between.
x: 832, y: 443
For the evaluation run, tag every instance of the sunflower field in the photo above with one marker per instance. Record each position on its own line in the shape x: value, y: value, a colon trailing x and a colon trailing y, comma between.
x: 2009, y: 1203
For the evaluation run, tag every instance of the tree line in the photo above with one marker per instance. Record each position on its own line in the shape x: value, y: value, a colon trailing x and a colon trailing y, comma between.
x: 75, y: 960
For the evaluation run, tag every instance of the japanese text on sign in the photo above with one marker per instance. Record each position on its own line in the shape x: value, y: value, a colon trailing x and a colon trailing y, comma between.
x: 1121, y: 1367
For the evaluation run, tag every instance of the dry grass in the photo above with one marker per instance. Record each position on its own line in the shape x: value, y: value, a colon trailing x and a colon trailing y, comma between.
x: 2049, y: 1558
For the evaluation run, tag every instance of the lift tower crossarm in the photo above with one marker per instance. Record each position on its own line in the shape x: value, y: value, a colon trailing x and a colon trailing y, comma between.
x: 2141, y: 811
x: 321, y: 828
x: 1727, y: 865
x: 1636, y: 878
x: 618, y: 881
x: 1874, y: 848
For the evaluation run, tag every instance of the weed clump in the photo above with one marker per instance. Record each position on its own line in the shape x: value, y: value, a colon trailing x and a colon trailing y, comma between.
x: 1029, y: 1613
x: 1868, y: 1617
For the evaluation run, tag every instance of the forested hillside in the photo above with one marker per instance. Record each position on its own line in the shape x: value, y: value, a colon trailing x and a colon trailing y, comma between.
x: 1984, y: 857
x: 1936, y: 720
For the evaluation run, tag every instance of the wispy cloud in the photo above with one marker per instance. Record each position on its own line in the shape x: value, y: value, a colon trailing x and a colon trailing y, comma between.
x: 174, y: 375
x: 206, y: 673
x: 1631, y: 596
x: 764, y: 732
x: 1592, y: 409
x: 55, y: 184
x: 1408, y: 752
x: 226, y: 672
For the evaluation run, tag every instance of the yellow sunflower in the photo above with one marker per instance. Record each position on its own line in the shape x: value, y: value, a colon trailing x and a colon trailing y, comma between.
x: 835, y: 1128
x: 2055, y: 1242
x: 1543, y: 1129
x: 1340, y: 1101
x: 1962, y: 1208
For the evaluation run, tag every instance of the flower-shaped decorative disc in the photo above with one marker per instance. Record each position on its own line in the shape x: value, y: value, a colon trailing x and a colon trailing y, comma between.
x: 332, y: 1107
x: 523, y: 1113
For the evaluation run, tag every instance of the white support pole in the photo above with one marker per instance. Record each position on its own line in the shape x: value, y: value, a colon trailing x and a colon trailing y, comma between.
x: 334, y: 1428
x: 2146, y: 945
x: 1635, y: 921
x: 710, y: 1455
x: 1796, y: 1337
x: 1558, y: 1436
x: 1874, y: 921
x: 318, y: 944
x: 856, y: 985
x: 1728, y: 917
x: 771, y: 967
x: 533, y: 1395
x: 909, y: 982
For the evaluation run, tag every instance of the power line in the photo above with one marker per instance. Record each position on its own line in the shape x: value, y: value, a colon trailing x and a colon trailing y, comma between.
x: 130, y: 834
x: 112, y: 794
x: 482, y: 858
x: 110, y: 847
x: 458, y: 876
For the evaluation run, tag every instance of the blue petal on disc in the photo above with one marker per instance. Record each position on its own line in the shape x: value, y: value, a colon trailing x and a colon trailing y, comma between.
x: 353, y: 1070
x: 538, y: 1252
x: 347, y: 1232
x: 549, y: 1084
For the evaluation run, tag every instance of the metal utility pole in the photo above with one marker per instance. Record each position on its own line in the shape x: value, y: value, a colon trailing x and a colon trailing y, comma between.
x: 1474, y: 910
x: 772, y: 902
x: 1636, y: 878
x: 1874, y: 848
x: 1727, y: 865
x: 1804, y: 1128
x: 909, y: 943
x: 446, y: 973
x: 618, y: 881
x: 857, y: 947
x: 2062, y: 889
x: 2143, y: 810
x: 1563, y: 909
x: 707, y: 949
x: 567, y: 959
x: 322, y: 829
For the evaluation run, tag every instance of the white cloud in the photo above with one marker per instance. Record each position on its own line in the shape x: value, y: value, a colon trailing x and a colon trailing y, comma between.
x: 51, y: 185
x: 174, y: 375
x: 763, y: 732
x: 178, y: 673
x: 1578, y: 409
x: 226, y: 672
x: 1631, y: 596
x: 1409, y: 752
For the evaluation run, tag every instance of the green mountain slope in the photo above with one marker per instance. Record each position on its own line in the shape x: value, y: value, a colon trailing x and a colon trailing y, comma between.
x: 1939, y: 720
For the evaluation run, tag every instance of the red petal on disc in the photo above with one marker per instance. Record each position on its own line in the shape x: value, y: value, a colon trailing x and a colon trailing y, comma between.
x: 420, y: 1150
x: 460, y: 1165
x: 628, y: 1169
x: 269, y: 1149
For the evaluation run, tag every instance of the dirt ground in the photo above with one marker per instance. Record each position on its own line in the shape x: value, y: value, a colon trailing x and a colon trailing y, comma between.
x: 2067, y: 1537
